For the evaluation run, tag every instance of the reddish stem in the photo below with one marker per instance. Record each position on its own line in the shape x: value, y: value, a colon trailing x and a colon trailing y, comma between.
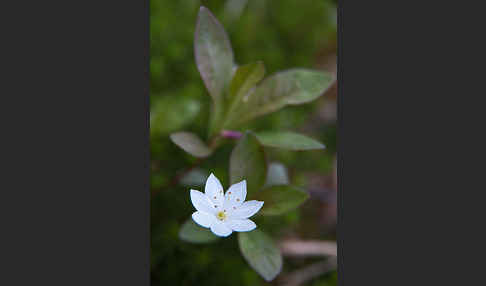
x: 231, y: 134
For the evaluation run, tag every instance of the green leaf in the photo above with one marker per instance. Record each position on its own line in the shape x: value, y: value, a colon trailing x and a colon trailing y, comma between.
x: 245, y: 78
x: 214, y: 59
x: 191, y: 232
x: 247, y: 162
x: 288, y: 140
x: 191, y: 143
x: 291, y: 87
x: 171, y: 113
x: 195, y: 178
x: 277, y: 175
x: 214, y: 55
x: 281, y: 199
x: 261, y: 253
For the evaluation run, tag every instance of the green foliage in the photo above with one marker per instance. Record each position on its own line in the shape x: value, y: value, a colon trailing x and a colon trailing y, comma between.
x: 247, y: 162
x: 170, y: 113
x: 245, y: 78
x: 280, y: 199
x: 191, y: 143
x: 261, y: 253
x: 191, y: 232
x: 236, y: 96
x: 281, y: 34
x: 289, y: 87
x: 288, y: 140
x: 214, y: 55
x: 214, y: 58
x: 277, y: 175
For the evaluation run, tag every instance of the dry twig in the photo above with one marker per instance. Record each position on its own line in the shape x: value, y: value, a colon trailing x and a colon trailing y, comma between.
x: 308, y: 248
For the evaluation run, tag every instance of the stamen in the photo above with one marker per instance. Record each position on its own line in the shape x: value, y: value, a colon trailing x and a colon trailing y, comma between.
x: 221, y: 216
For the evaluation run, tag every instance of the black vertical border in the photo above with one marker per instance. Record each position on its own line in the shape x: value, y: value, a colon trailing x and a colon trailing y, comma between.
x: 75, y: 196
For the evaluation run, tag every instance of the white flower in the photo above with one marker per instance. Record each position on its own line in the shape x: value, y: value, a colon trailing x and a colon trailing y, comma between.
x: 224, y: 213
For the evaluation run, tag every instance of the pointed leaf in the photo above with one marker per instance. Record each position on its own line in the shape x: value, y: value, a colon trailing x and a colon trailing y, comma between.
x: 214, y: 55
x: 191, y: 143
x: 277, y: 175
x: 247, y: 162
x: 289, y: 87
x: 280, y: 199
x: 288, y: 140
x: 191, y: 232
x: 261, y: 253
x: 245, y: 78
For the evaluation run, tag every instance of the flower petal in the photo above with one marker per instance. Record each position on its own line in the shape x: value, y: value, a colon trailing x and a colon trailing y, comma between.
x: 203, y: 219
x: 246, y: 210
x: 235, y: 196
x: 220, y: 229
x: 201, y: 202
x: 241, y: 224
x: 214, y: 190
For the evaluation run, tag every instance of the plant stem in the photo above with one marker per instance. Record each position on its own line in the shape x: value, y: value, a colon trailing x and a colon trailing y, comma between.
x: 231, y: 134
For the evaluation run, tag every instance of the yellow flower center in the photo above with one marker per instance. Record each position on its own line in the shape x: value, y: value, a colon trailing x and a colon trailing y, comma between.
x: 221, y: 215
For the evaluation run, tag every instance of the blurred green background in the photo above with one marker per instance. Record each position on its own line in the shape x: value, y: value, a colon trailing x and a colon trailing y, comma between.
x: 283, y: 34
